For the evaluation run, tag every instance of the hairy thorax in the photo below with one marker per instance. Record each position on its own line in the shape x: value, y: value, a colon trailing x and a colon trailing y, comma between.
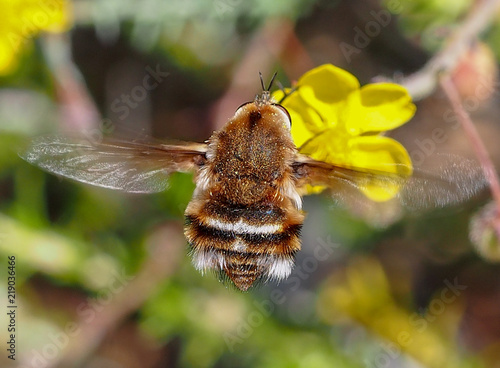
x: 251, y: 157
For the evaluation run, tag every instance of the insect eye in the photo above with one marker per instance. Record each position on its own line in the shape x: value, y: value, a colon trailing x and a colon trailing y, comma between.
x: 286, y: 115
x: 244, y: 104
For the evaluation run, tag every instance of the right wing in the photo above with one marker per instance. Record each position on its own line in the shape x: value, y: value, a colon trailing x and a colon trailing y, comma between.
x: 454, y: 180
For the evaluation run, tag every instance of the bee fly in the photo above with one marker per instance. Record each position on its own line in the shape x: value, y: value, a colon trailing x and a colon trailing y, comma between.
x: 244, y: 219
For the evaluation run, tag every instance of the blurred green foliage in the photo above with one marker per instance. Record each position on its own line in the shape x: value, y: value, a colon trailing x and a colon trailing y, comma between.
x: 430, y: 21
x: 70, y: 238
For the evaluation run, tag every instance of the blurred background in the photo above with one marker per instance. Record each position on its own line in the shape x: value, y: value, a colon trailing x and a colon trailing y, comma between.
x: 104, y: 279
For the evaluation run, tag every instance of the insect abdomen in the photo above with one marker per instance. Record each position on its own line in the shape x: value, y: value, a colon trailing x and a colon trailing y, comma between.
x: 245, y: 242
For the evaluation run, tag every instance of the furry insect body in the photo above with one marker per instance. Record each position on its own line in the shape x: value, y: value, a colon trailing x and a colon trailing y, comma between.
x: 244, y: 218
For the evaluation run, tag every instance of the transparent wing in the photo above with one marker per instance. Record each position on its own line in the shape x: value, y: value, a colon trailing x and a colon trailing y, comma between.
x: 453, y: 180
x: 129, y: 166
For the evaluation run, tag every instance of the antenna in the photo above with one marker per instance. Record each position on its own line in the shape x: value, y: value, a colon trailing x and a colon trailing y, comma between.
x: 262, y: 82
x: 264, y: 89
x: 271, y: 82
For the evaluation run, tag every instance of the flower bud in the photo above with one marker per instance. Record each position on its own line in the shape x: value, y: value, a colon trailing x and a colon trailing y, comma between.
x: 484, y: 232
x: 475, y: 74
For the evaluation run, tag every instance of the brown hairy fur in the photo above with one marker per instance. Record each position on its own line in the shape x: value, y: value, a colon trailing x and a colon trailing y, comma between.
x: 247, y: 179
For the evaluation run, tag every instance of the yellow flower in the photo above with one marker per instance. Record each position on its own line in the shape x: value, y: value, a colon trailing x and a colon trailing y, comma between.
x: 337, y: 121
x: 21, y: 20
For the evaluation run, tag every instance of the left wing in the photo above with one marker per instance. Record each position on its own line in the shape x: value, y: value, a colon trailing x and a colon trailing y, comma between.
x: 134, y: 167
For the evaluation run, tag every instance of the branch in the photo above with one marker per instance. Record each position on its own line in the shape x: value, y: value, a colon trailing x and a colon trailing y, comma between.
x: 77, y: 107
x: 473, y: 135
x: 424, y: 82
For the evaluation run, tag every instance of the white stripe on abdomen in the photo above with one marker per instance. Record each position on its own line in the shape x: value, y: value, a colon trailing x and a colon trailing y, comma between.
x: 242, y: 227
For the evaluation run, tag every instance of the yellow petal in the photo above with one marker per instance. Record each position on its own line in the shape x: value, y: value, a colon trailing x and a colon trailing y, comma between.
x: 305, y: 121
x: 8, y: 60
x: 22, y: 20
x: 311, y: 189
x: 385, y: 156
x: 325, y: 89
x: 379, y: 107
x: 279, y: 94
x: 384, y: 163
x: 327, y: 146
x: 324, y: 146
x: 300, y: 131
x: 44, y: 15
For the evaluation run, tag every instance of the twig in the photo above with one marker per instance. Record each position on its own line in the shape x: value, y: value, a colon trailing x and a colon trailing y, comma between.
x: 425, y: 81
x: 78, y: 109
x: 477, y: 144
